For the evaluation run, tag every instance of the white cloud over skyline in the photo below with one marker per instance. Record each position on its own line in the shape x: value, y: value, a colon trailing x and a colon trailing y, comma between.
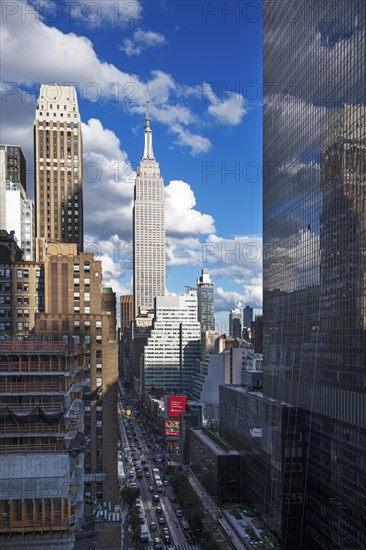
x: 141, y: 41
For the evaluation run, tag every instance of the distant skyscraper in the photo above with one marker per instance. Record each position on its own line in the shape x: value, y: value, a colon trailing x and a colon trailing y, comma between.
x: 126, y: 303
x: 235, y: 323
x: 314, y: 270
x: 58, y: 177
x: 205, y: 301
x: 148, y: 228
x: 16, y: 209
x: 247, y: 316
x: 172, y: 352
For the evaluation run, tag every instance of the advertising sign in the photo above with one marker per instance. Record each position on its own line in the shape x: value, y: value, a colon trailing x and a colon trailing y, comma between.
x: 256, y: 432
x: 171, y: 428
x: 177, y: 404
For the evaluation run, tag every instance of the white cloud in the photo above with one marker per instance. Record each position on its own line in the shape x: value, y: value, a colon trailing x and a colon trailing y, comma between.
x: 181, y: 217
x: 230, y: 110
x: 141, y: 41
x: 197, y: 143
x: 105, y: 13
x: 33, y: 53
x: 228, y: 299
x: 108, y: 184
x: 180, y: 255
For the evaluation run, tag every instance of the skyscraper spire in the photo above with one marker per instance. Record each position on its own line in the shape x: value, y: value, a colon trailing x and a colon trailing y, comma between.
x: 148, y: 150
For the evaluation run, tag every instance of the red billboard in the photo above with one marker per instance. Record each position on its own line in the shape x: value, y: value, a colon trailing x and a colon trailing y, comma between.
x: 172, y: 428
x: 177, y: 404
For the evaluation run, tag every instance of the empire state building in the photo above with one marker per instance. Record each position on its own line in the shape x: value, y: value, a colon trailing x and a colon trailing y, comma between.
x: 148, y: 228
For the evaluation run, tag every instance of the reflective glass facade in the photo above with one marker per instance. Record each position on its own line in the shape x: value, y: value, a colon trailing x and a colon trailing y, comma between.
x: 315, y: 250
x: 270, y: 438
x: 218, y: 471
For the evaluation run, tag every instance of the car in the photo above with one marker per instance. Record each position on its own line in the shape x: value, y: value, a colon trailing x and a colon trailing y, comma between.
x: 178, y: 513
x: 151, y: 488
x: 156, y: 498
x: 162, y: 520
x: 157, y: 544
x: 165, y: 531
x: 158, y: 509
x: 166, y: 539
x: 165, y: 483
x: 153, y: 526
x: 133, y: 485
x: 147, y: 473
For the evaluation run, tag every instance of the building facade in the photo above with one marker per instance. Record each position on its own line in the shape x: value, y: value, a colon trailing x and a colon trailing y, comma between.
x: 16, y: 209
x: 171, y: 355
x: 205, y: 301
x: 247, y: 316
x: 42, y: 444
x: 270, y: 438
x: 314, y: 251
x: 126, y: 311
x: 235, y: 329
x: 62, y: 297
x: 58, y: 153
x: 216, y: 467
x: 148, y: 228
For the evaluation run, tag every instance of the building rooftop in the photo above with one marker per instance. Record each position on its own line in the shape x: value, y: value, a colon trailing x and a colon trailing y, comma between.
x: 213, y: 441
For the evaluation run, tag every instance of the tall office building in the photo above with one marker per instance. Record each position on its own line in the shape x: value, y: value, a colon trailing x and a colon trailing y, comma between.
x: 148, y: 228
x: 58, y: 178
x: 205, y: 301
x: 314, y: 252
x: 171, y: 355
x: 235, y: 322
x: 16, y: 209
x: 126, y: 304
x: 247, y: 316
x: 62, y: 297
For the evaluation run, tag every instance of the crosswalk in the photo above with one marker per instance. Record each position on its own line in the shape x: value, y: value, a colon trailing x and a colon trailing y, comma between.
x: 173, y: 546
x: 186, y: 547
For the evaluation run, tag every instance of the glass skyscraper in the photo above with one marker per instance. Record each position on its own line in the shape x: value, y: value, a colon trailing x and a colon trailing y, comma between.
x: 314, y: 310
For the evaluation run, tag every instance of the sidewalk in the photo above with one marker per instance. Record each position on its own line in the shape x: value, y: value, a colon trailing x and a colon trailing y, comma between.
x: 214, y: 511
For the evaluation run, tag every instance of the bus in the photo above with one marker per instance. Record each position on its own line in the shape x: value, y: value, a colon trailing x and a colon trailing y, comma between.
x: 144, y: 534
x: 157, y: 480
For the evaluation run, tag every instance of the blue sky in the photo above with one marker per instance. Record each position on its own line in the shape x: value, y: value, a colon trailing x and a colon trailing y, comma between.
x: 203, y: 64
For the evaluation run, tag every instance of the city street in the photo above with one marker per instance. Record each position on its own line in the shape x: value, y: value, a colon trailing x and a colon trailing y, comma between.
x: 157, y: 509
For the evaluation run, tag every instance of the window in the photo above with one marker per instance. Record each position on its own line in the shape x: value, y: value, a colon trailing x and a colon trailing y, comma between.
x: 76, y: 268
x: 87, y: 309
x: 98, y: 339
x: 99, y: 422
x: 87, y: 296
x: 76, y: 281
x: 98, y: 324
x: 87, y: 282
